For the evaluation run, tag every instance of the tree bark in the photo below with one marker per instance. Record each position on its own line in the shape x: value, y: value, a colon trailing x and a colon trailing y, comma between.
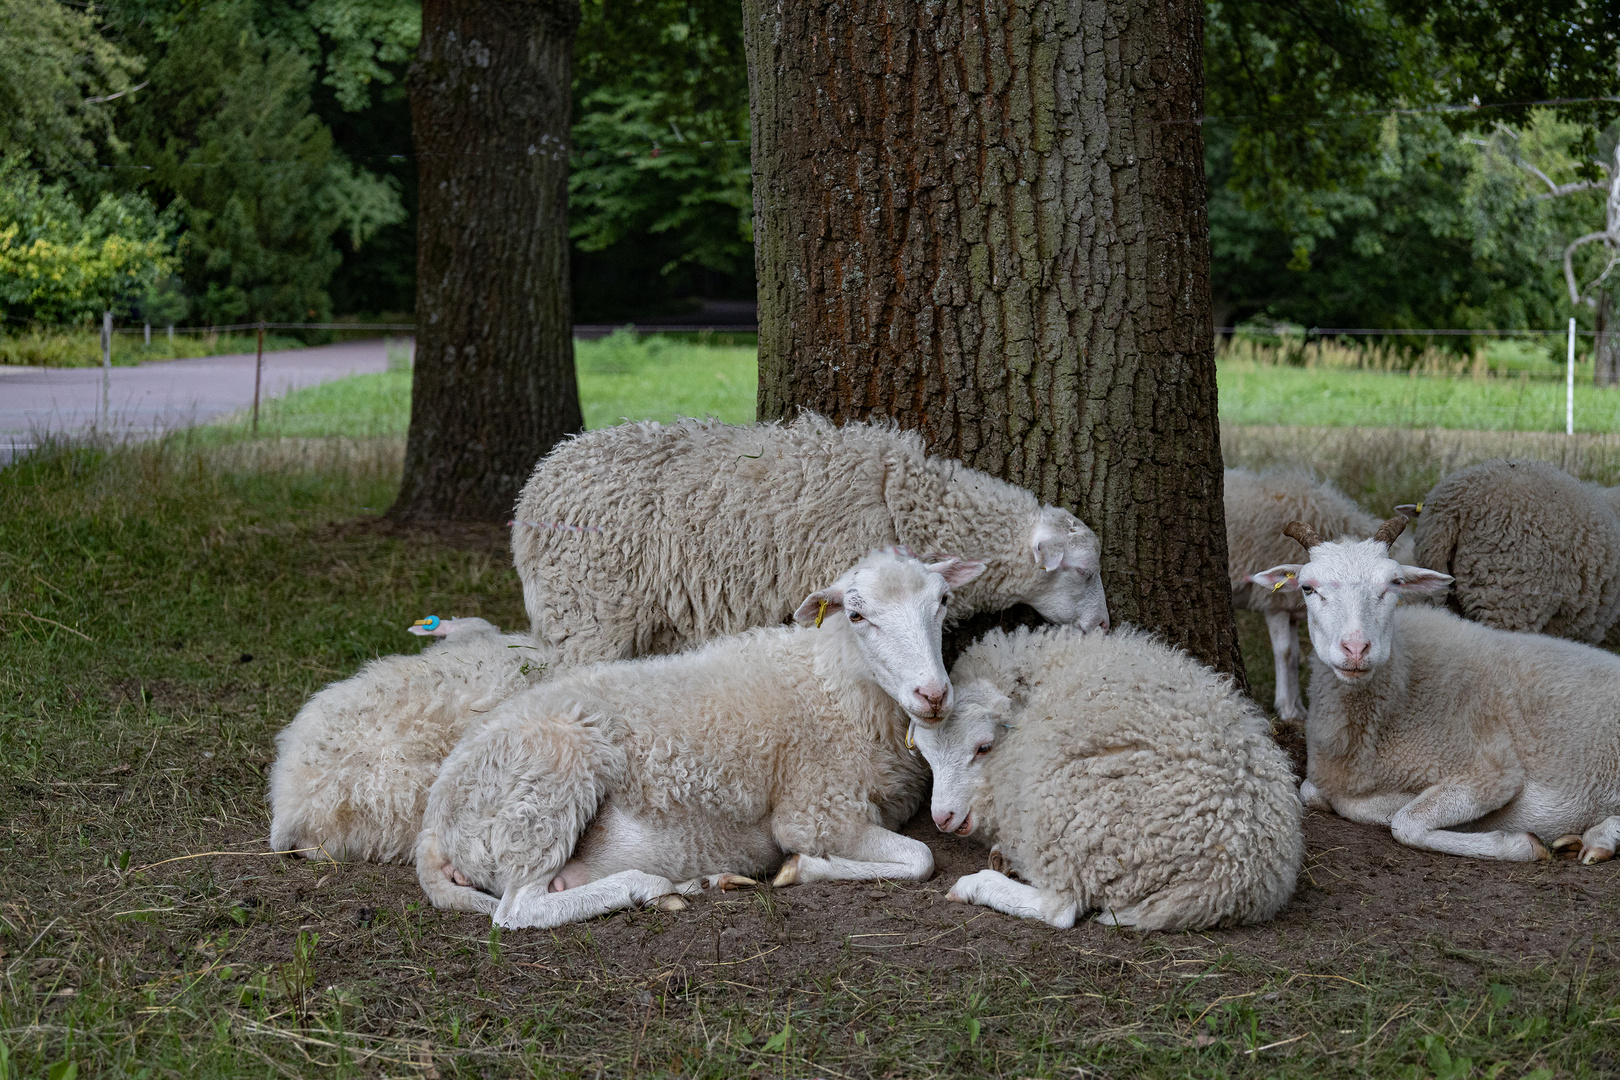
x: 1606, y: 344
x: 494, y: 385
x: 988, y: 222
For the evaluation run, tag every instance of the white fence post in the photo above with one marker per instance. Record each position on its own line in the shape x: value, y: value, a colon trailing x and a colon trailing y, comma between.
x: 106, y: 364
x: 1569, y: 403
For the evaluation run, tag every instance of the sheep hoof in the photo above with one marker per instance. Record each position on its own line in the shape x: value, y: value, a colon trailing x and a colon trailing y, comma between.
x: 728, y: 882
x: 1590, y: 855
x: 668, y: 902
x: 1567, y: 841
x: 1538, y: 850
x: 955, y: 899
x: 788, y: 875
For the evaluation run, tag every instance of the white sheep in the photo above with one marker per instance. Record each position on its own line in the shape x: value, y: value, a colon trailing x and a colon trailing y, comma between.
x: 705, y: 765
x: 646, y: 538
x: 1113, y: 774
x: 1529, y: 546
x: 353, y: 768
x: 1258, y: 507
x: 1460, y: 738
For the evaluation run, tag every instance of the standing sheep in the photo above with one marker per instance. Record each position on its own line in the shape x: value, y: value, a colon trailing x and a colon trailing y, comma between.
x: 353, y: 769
x: 1258, y: 506
x: 1460, y: 738
x: 1114, y: 774
x: 603, y: 787
x: 646, y: 538
x: 1530, y: 547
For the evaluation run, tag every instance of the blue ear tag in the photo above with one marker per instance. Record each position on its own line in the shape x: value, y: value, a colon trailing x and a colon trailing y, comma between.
x: 429, y: 624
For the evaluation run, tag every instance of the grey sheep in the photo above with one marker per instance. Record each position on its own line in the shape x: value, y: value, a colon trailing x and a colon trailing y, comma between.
x: 647, y: 538
x: 1530, y: 548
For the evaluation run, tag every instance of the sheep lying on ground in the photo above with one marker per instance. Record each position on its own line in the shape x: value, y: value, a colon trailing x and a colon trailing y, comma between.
x: 1460, y: 738
x: 1531, y: 548
x: 1113, y: 774
x: 353, y: 769
x: 704, y: 765
x: 1258, y: 507
x: 645, y: 538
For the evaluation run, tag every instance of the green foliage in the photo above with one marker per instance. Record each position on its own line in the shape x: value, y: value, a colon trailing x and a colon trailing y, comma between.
x: 56, y: 72
x: 62, y: 265
x: 229, y: 134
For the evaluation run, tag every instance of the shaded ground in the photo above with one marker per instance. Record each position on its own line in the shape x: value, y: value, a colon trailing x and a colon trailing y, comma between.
x: 160, y: 621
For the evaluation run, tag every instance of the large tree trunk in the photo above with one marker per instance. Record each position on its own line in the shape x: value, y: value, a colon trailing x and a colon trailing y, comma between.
x: 494, y: 385
x: 988, y: 222
x: 1606, y: 345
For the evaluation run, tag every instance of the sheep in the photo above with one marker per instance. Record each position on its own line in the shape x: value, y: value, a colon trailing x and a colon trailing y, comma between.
x: 1114, y: 774
x: 1460, y: 738
x: 609, y: 783
x: 1529, y: 547
x: 353, y: 768
x: 646, y: 538
x: 1258, y: 506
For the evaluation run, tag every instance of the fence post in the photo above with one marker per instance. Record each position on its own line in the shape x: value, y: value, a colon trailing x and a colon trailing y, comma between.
x: 148, y: 335
x: 106, y: 365
x: 258, y: 373
x: 171, y: 333
x: 1569, y: 402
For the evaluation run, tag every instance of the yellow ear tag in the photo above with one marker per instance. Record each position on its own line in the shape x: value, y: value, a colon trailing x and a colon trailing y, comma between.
x: 1419, y: 508
x: 1287, y: 577
x: 909, y: 744
x: 821, y: 613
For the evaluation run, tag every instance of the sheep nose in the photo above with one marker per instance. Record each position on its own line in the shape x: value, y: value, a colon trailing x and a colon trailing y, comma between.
x: 1355, y: 648
x: 945, y: 820
x: 933, y: 697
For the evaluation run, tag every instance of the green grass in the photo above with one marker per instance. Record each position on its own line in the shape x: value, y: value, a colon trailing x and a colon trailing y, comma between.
x: 1258, y: 394
x: 56, y: 348
x: 653, y: 378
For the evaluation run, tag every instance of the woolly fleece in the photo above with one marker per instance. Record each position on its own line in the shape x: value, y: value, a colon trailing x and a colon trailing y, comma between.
x: 710, y: 529
x: 353, y: 768
x: 1531, y: 548
x: 736, y: 751
x: 1133, y: 775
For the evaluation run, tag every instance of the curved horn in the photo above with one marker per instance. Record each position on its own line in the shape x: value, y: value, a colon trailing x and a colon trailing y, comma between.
x: 1302, y: 532
x: 1389, y: 530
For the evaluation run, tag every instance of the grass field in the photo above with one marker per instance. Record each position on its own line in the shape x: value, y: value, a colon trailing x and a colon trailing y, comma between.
x: 83, y: 349
x: 166, y: 608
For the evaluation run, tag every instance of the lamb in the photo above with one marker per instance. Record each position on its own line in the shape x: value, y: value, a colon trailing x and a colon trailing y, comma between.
x: 1459, y: 737
x: 353, y: 769
x: 646, y: 538
x: 1258, y: 506
x: 609, y: 783
x: 1529, y: 546
x: 1113, y: 774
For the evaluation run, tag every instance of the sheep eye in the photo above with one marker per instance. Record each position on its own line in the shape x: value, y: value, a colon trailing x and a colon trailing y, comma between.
x: 856, y: 617
x: 982, y: 749
x: 1307, y: 590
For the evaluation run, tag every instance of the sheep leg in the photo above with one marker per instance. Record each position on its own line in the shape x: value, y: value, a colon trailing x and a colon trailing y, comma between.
x: 1600, y: 841
x: 534, y: 907
x: 1285, y: 653
x: 876, y: 853
x: 1422, y: 823
x: 992, y: 889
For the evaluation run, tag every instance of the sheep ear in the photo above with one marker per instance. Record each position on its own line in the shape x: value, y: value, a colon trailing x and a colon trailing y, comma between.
x: 956, y: 571
x: 818, y: 605
x: 1282, y: 578
x: 1416, y: 581
x: 1063, y: 544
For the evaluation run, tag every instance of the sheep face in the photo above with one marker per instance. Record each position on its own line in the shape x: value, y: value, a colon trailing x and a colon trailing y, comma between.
x: 956, y: 749
x: 1068, y: 587
x: 895, y: 606
x: 1351, y: 591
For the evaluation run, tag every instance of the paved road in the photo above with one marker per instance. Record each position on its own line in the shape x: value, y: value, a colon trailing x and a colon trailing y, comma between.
x: 167, y: 394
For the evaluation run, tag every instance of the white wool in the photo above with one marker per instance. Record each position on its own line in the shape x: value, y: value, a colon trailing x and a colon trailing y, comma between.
x: 1115, y: 774
x: 712, y: 761
x: 646, y: 538
x: 353, y: 768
